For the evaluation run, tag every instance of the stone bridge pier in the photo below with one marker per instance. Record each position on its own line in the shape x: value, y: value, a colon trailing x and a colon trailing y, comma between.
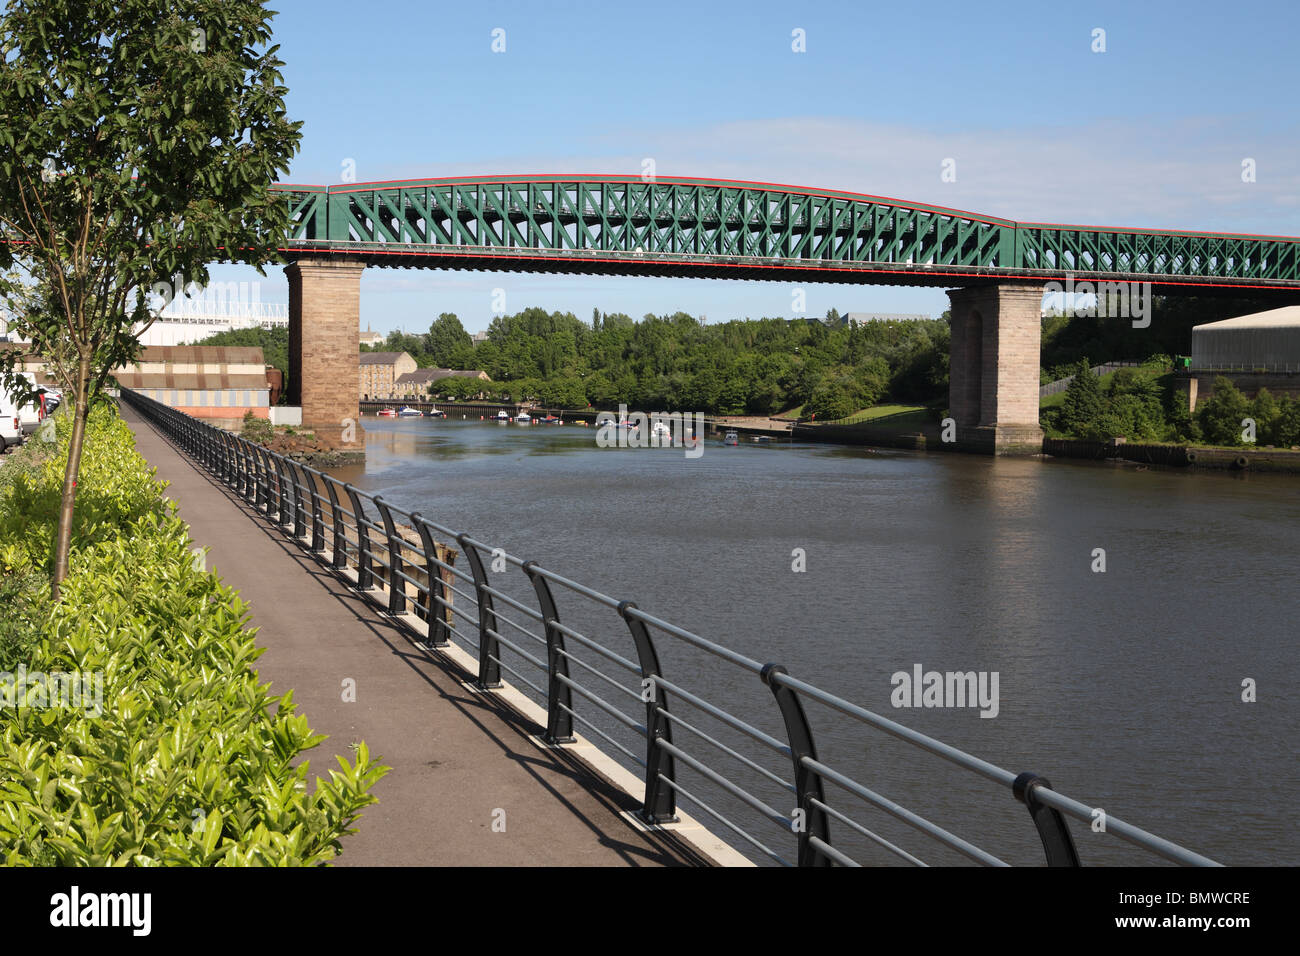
x: 993, y: 370
x: 324, y: 347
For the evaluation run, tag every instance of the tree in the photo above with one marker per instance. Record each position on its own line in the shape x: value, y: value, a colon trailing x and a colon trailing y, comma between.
x: 139, y: 140
x: 1083, y: 402
x: 449, y: 345
x: 1221, y: 415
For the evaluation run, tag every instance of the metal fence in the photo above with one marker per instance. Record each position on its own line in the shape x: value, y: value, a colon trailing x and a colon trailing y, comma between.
x: 681, y: 734
x: 1061, y: 384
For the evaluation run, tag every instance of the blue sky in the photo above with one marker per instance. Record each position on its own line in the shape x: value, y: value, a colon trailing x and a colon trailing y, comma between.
x: 1151, y: 132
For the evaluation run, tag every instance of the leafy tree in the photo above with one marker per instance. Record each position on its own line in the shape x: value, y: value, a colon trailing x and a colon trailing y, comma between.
x: 1220, y: 415
x: 449, y: 345
x: 139, y: 140
x: 836, y: 397
x: 1267, y: 411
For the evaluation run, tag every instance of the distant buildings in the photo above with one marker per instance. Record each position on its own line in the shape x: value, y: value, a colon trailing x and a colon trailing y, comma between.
x: 416, y: 384
x: 186, y: 321
x: 390, y: 375
x: 862, y: 318
x: 216, y: 383
x: 381, y: 370
x: 370, y: 337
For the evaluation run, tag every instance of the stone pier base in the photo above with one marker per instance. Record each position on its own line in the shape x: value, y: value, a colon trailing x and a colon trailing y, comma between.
x: 993, y: 372
x: 324, y: 348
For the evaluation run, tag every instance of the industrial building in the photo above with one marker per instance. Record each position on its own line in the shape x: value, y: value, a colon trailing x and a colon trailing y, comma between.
x: 1254, y: 351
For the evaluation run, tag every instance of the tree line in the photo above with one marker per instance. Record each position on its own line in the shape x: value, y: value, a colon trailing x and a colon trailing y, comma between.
x: 678, y: 361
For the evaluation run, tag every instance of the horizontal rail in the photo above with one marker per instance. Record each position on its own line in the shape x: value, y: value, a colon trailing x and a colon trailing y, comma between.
x: 403, y: 558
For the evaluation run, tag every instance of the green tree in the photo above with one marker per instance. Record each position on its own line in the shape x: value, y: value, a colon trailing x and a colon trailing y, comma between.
x: 449, y: 345
x: 1220, y: 416
x: 1267, y: 412
x: 1083, y: 403
x: 139, y: 140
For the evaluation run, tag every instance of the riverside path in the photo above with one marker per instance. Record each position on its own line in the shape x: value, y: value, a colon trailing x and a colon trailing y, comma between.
x: 458, y: 758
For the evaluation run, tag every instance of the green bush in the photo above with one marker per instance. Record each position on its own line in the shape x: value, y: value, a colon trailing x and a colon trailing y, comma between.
x: 258, y: 430
x: 189, y: 760
x: 1221, y: 415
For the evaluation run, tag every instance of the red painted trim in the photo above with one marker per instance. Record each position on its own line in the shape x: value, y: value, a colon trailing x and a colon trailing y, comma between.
x: 792, y: 190
x: 671, y: 181
x: 920, y: 271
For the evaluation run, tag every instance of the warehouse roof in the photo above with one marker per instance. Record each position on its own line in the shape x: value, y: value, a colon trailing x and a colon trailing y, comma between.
x: 1284, y: 317
x: 425, y: 375
x: 381, y: 358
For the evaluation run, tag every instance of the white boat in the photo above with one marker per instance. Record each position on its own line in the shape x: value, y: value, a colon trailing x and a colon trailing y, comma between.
x: 523, y: 418
x: 409, y: 412
x: 731, y: 438
x: 661, y: 431
x: 502, y: 416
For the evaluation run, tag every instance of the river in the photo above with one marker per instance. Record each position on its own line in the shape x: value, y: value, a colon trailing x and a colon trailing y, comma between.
x: 1122, y: 686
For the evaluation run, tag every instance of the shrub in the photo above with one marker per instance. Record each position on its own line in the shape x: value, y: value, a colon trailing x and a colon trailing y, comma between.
x: 189, y: 760
x: 1221, y: 415
x: 256, y: 429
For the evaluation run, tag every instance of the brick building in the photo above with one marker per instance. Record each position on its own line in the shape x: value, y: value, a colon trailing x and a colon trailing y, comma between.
x: 380, y: 372
x: 416, y: 384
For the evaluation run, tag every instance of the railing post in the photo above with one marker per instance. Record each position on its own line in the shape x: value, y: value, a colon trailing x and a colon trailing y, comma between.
x: 317, y: 516
x: 807, y: 782
x: 1052, y: 828
x: 559, y: 697
x: 281, y: 484
x: 364, y: 570
x: 299, y: 514
x: 262, y: 480
x: 426, y: 603
x: 489, y: 653
x: 396, y: 584
x: 660, y: 803
x: 339, y: 559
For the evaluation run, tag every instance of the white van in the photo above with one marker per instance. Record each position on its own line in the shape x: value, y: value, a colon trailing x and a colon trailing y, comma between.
x: 11, y: 429
x: 33, y: 413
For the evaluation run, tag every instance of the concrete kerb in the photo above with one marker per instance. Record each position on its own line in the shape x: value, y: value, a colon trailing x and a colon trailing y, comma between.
x: 581, y: 751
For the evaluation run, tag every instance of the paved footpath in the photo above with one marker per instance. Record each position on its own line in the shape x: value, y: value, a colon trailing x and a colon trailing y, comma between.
x: 456, y: 756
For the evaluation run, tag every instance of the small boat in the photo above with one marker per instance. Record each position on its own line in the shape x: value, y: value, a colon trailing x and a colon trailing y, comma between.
x: 550, y: 420
x: 436, y: 413
x: 386, y: 413
x: 661, y: 431
x: 731, y: 438
x: 760, y: 438
x: 523, y: 418
x: 408, y: 412
x: 502, y: 416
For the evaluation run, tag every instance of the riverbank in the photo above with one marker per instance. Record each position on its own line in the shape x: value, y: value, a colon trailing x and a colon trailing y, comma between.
x: 1270, y: 459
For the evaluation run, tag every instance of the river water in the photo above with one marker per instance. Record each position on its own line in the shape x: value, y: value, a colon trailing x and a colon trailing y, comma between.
x: 1124, y: 686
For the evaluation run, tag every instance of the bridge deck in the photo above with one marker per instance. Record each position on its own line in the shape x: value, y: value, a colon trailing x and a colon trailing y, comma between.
x: 456, y: 756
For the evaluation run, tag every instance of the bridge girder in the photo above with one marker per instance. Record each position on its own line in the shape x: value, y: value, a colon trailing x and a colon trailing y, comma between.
x: 723, y: 229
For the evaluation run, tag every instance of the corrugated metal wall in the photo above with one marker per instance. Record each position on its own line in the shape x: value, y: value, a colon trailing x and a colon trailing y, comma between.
x: 1252, y: 347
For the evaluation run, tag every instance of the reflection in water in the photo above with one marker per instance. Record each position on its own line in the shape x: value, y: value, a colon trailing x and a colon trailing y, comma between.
x: 1122, y: 687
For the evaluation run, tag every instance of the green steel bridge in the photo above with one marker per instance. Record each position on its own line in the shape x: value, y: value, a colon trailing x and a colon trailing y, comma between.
x: 618, y: 225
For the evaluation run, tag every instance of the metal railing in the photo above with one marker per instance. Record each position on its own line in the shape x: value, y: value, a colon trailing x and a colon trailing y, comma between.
x: 1282, y: 368
x: 532, y: 637
x: 1061, y: 384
